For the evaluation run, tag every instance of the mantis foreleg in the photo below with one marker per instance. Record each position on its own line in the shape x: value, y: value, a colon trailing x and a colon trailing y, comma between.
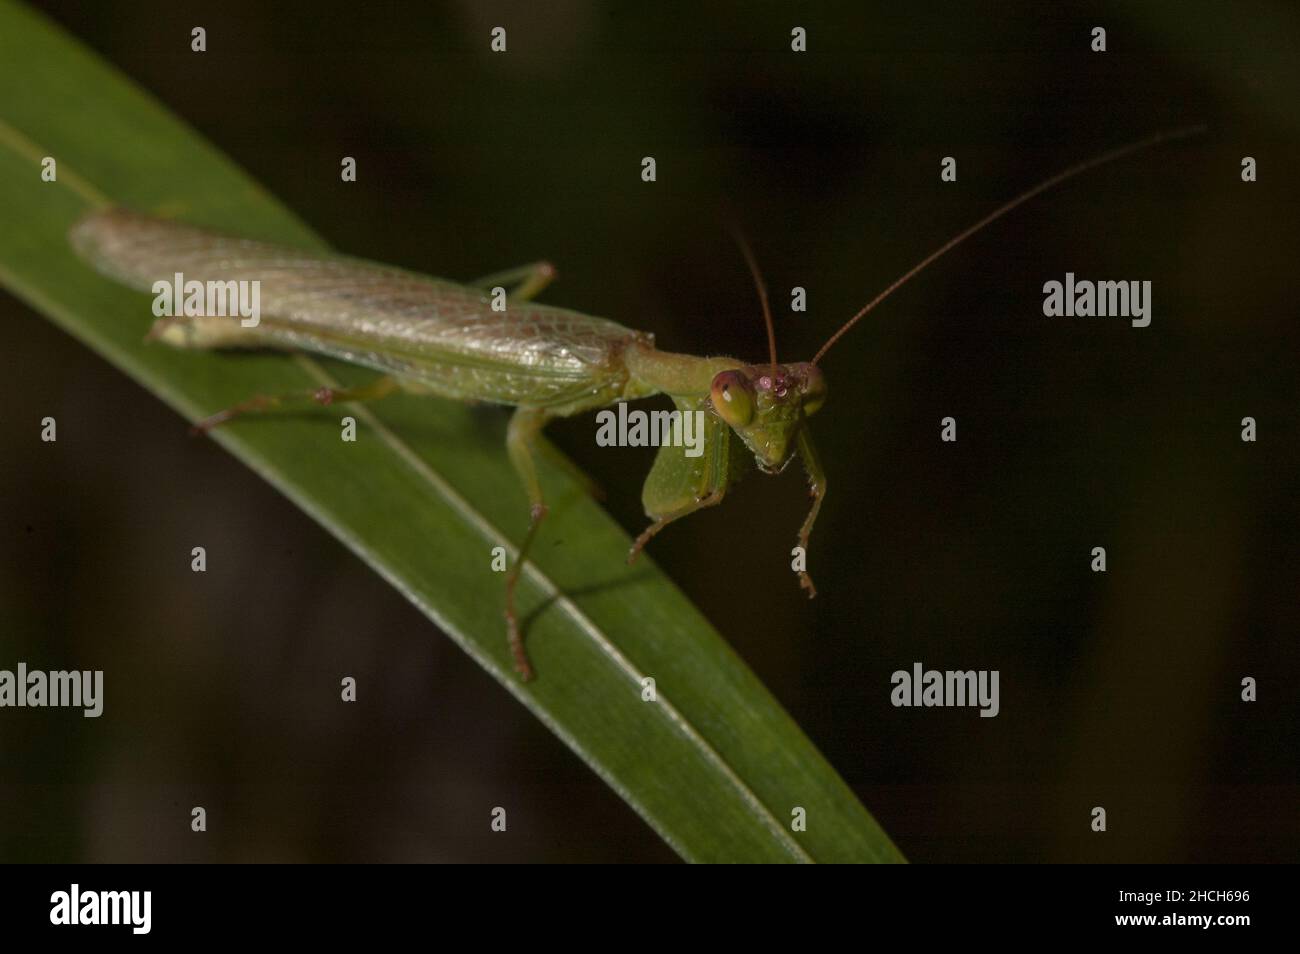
x: 678, y: 485
x: 817, y: 490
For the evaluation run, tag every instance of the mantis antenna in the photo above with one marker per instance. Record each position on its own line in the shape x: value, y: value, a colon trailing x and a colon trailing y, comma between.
x: 762, y: 293
x: 1117, y: 153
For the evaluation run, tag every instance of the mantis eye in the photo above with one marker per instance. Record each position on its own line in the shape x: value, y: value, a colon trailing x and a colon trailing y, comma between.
x: 814, y: 393
x: 732, y: 399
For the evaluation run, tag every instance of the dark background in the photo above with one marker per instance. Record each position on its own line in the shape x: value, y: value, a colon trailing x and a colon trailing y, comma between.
x: 1118, y: 689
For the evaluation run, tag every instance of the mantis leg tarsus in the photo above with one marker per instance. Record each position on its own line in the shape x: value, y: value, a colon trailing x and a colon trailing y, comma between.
x: 522, y: 437
x: 710, y: 499
x: 806, y: 583
x: 644, y: 537
x: 528, y: 280
x: 262, y: 403
x: 255, y: 404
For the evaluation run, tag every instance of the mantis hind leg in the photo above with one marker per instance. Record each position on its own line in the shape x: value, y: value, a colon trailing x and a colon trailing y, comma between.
x: 522, y: 439
x: 263, y: 403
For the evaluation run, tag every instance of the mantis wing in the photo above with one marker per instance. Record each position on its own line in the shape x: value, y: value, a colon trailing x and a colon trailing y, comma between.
x: 444, y: 336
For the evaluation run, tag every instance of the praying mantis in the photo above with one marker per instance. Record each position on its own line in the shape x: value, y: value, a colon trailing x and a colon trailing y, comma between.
x: 433, y: 337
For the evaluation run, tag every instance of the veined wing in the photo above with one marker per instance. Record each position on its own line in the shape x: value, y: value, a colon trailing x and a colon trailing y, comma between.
x: 444, y: 336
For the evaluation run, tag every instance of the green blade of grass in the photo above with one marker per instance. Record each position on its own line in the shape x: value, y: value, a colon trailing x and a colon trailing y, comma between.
x: 713, y: 764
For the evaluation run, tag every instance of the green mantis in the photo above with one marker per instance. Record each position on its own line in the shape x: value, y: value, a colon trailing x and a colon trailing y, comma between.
x: 434, y: 337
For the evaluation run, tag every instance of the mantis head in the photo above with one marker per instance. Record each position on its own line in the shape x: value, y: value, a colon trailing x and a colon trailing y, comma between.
x: 766, y: 404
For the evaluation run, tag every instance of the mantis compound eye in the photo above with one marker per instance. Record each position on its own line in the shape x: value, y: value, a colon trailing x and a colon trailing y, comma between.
x: 732, y: 398
x: 814, y: 392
